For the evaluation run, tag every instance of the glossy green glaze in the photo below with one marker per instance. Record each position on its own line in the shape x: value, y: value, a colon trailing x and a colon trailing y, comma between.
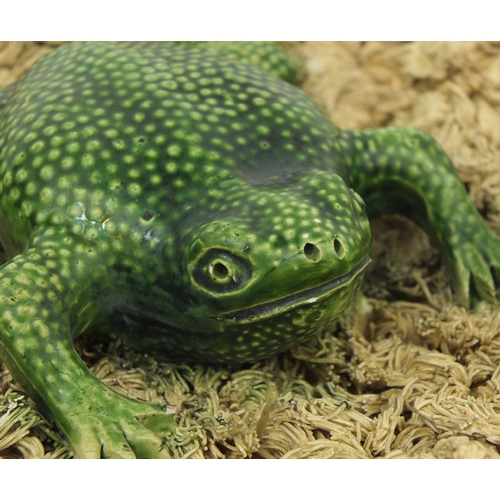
x: 198, y: 204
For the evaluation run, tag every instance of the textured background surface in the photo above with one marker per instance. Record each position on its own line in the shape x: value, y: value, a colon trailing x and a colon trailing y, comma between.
x: 406, y: 374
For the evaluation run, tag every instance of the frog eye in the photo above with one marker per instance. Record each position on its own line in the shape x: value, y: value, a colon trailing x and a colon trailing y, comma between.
x: 221, y: 271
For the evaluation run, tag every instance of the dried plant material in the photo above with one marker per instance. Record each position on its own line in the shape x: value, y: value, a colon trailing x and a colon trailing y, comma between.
x: 406, y: 373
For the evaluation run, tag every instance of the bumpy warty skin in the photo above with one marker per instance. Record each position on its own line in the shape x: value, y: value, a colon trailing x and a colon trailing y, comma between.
x: 189, y: 199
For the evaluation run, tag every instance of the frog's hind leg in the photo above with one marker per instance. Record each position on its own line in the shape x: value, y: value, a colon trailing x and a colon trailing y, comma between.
x: 406, y: 171
x: 46, y: 300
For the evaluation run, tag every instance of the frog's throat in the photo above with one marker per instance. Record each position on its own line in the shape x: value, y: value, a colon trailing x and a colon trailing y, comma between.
x: 309, y: 296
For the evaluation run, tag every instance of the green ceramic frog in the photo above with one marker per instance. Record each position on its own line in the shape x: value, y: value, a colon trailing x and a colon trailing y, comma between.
x: 192, y: 199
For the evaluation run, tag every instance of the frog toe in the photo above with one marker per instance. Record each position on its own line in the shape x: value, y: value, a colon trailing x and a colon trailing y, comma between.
x: 148, y: 436
x: 137, y: 440
x: 483, y: 284
x: 119, y: 427
x: 477, y: 271
x: 107, y: 439
x: 86, y: 445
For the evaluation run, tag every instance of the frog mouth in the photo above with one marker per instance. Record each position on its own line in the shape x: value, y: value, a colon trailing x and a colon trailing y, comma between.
x: 308, y: 296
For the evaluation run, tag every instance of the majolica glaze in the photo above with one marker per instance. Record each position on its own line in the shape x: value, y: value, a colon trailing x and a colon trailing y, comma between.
x: 189, y: 199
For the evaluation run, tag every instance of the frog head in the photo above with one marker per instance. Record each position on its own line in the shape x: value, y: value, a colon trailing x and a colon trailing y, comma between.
x: 275, y: 261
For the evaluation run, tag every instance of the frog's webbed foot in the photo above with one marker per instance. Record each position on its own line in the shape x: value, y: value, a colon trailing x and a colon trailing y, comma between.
x: 114, y: 426
x: 475, y: 264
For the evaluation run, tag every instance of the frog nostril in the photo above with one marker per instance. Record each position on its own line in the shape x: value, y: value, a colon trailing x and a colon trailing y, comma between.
x: 312, y: 252
x: 338, y: 248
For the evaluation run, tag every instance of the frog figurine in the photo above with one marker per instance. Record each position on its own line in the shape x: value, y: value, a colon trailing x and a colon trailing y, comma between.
x: 189, y: 197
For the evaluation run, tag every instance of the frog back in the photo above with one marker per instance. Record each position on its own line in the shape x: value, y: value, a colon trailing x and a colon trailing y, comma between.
x: 109, y: 135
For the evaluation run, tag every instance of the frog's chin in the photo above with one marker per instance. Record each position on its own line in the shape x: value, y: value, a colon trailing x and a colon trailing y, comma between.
x: 309, y: 296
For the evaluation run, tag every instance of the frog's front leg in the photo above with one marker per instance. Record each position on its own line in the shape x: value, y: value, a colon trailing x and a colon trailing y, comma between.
x: 406, y: 171
x: 46, y: 298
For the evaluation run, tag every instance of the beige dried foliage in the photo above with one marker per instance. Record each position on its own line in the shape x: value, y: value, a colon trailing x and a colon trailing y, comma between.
x: 407, y: 374
x: 17, y: 57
